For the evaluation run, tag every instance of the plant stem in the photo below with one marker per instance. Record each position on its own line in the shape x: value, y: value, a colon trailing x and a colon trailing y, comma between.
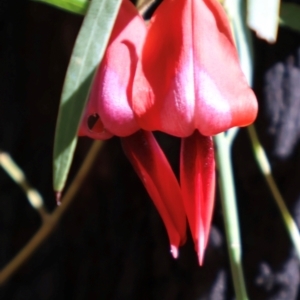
x: 265, y: 168
x: 18, y: 176
x: 231, y: 222
x: 52, y: 220
x: 236, y: 10
x: 143, y: 5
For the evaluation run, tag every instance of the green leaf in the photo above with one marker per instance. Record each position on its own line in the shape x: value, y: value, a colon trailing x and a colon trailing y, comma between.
x: 87, y: 54
x: 74, y: 6
x: 290, y: 15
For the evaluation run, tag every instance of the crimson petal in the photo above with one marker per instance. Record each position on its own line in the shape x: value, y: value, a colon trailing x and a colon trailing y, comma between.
x: 158, y: 178
x: 197, y: 178
x: 108, y: 105
x: 189, y: 75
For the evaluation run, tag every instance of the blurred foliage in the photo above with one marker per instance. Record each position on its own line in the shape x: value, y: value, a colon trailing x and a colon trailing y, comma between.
x: 290, y: 15
x: 73, y: 6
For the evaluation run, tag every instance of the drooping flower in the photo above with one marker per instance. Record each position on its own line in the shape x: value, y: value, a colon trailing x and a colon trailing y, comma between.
x: 109, y: 113
x: 189, y: 78
x: 182, y: 78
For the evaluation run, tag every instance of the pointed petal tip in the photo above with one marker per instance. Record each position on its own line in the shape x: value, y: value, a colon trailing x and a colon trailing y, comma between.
x: 58, y: 198
x: 154, y: 170
x: 174, y: 251
x: 200, y: 258
x: 200, y: 249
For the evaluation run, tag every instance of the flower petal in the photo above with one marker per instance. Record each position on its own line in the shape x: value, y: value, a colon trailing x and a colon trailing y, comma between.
x: 158, y: 178
x: 189, y: 75
x: 197, y: 179
x: 223, y: 97
x: 112, y: 87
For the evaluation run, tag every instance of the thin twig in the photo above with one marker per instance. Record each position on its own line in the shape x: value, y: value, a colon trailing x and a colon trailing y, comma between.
x: 143, y: 5
x: 229, y: 208
x: 51, y: 221
x: 17, y: 175
x: 231, y: 134
x: 265, y: 168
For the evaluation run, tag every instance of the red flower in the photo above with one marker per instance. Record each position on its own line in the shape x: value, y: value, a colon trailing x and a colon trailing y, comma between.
x: 182, y: 77
x: 189, y: 78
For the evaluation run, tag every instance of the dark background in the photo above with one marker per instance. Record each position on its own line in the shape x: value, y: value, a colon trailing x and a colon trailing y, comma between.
x: 111, y: 243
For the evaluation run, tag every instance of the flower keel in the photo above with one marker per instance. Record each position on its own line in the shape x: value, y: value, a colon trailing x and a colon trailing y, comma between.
x: 152, y: 167
x: 197, y: 179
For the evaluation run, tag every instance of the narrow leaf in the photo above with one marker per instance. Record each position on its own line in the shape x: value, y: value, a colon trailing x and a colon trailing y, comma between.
x: 74, y: 6
x: 290, y: 15
x: 87, y: 54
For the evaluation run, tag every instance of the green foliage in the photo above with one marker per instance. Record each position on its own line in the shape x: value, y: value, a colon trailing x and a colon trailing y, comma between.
x: 290, y: 15
x: 74, y: 6
x: 87, y: 54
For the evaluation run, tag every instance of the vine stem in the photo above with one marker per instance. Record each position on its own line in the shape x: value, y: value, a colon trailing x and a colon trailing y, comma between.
x: 50, y: 221
x: 228, y: 200
x: 263, y: 163
x: 18, y: 176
